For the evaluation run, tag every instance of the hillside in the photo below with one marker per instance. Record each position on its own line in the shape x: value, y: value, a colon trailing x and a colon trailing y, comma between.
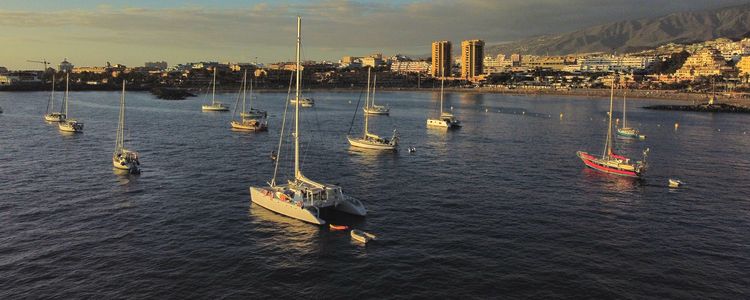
x: 634, y: 35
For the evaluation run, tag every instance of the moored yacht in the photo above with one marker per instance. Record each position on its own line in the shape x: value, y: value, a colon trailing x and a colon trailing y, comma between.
x: 215, y: 105
x: 302, y: 198
x: 445, y: 119
x: 52, y: 115
x: 374, y: 109
x: 247, y: 123
x: 68, y: 125
x: 122, y: 158
x: 370, y: 140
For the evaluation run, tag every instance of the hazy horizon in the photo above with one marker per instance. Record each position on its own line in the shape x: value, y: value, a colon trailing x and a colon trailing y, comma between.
x: 90, y: 33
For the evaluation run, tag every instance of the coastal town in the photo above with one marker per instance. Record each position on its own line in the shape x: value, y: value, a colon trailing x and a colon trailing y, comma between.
x: 681, y: 71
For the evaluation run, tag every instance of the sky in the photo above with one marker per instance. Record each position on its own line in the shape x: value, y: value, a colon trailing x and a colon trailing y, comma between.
x: 91, y: 33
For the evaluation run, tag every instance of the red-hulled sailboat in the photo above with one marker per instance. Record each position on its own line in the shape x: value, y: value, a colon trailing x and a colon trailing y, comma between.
x: 610, y: 162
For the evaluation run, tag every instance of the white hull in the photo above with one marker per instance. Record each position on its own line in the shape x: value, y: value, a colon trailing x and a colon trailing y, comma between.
x: 377, y: 110
x: 215, y: 107
x: 361, y: 143
x: 130, y: 167
x: 266, y: 198
x: 305, y: 102
x: 441, y: 123
x: 54, y: 117
x: 68, y: 126
x: 237, y: 125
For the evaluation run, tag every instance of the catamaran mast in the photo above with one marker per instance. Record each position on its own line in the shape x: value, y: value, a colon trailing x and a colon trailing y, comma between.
x: 367, y: 101
x: 296, y: 103
x: 608, y: 145
x: 213, y: 92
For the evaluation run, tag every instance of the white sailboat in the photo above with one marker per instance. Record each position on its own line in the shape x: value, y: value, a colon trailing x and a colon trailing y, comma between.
x: 215, y: 105
x: 68, y: 125
x: 374, y: 109
x: 446, y: 119
x: 303, y: 101
x: 625, y: 131
x: 122, y: 158
x: 52, y: 115
x: 247, y: 123
x: 370, y: 140
x: 252, y: 112
x: 302, y: 198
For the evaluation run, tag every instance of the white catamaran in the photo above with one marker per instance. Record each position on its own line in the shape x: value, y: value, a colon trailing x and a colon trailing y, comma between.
x: 215, y: 105
x: 123, y: 158
x: 302, y: 198
x: 68, y: 125
x: 52, y: 115
x: 246, y: 122
x: 370, y: 140
x: 374, y: 109
x: 446, y: 119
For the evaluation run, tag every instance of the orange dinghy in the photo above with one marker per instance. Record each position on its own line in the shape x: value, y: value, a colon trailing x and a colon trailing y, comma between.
x: 338, y: 227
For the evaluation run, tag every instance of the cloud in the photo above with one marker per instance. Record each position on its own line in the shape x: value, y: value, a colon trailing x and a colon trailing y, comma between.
x: 332, y: 28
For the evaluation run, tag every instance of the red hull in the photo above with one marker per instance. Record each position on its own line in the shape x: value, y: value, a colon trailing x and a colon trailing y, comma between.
x: 590, y: 162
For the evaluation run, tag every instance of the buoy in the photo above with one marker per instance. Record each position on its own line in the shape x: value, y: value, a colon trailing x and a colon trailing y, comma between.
x: 561, y: 116
x: 451, y: 107
x: 350, y: 101
x: 523, y: 112
x: 718, y: 129
x: 658, y: 125
x: 676, y: 125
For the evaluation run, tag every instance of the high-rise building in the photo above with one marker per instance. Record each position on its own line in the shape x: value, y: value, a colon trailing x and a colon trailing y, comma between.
x: 472, y: 56
x: 441, y: 59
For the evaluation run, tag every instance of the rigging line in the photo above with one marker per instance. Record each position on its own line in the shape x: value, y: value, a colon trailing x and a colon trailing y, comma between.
x: 281, y: 135
x: 355, y: 112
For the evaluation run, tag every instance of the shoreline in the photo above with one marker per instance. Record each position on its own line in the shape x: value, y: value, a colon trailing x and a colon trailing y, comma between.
x: 740, y: 99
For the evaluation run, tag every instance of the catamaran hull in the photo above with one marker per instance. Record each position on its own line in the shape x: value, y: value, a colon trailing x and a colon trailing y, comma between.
x: 590, y: 162
x: 366, y: 145
x: 351, y: 206
x: 266, y: 198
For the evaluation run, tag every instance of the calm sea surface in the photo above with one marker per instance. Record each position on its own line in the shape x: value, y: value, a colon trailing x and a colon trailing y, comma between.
x: 501, y: 208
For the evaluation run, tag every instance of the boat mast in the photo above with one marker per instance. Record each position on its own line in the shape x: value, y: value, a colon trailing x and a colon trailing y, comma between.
x: 251, y: 92
x: 51, y: 104
x: 441, y: 95
x: 213, y: 93
x: 374, y: 83
x: 65, y: 98
x: 624, y: 125
x: 121, y: 124
x: 297, y: 173
x: 244, y: 94
x: 367, y: 101
x: 608, y: 145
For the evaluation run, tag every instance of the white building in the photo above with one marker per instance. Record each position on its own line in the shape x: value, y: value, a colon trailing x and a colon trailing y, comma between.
x: 410, y: 67
x: 614, y: 63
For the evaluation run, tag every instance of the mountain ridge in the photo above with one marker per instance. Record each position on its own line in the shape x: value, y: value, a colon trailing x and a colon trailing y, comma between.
x: 638, y: 34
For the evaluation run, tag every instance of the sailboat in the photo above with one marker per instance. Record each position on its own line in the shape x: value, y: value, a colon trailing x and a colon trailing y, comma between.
x: 302, y: 198
x: 246, y: 123
x: 52, y: 115
x: 446, y: 119
x: 303, y: 101
x: 215, y: 105
x: 252, y: 112
x: 374, y: 109
x: 122, y: 158
x: 371, y: 140
x: 625, y: 131
x: 610, y: 162
x: 68, y: 125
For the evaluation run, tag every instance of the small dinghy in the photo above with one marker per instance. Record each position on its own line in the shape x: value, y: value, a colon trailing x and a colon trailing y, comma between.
x: 674, y: 183
x: 337, y: 227
x: 361, y: 236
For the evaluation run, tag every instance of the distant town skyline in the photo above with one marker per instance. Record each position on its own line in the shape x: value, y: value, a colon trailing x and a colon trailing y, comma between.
x: 133, y: 32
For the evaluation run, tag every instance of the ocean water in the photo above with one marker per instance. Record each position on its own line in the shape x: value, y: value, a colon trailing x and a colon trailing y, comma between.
x: 501, y: 208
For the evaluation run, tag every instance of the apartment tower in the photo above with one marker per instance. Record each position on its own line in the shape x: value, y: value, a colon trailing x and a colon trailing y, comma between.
x: 472, y: 55
x: 441, y: 59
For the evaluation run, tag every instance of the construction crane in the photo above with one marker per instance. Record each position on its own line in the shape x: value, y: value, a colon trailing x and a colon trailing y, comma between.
x: 43, y: 61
